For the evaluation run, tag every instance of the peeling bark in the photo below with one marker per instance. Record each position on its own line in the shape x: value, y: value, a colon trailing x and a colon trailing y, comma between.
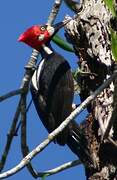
x: 89, y: 34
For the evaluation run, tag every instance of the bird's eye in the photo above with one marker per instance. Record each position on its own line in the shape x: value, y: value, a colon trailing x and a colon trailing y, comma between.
x: 42, y: 28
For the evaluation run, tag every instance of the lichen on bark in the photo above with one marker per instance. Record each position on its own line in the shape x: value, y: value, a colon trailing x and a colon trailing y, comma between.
x: 90, y: 36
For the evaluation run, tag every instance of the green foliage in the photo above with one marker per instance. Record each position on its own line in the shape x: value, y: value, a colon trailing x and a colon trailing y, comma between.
x: 110, y: 5
x: 75, y: 74
x: 114, y: 44
x: 62, y: 44
x: 44, y: 176
x: 76, y: 84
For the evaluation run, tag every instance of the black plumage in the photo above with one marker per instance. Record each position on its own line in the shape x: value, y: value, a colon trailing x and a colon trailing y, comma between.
x: 52, y: 88
x: 53, y: 99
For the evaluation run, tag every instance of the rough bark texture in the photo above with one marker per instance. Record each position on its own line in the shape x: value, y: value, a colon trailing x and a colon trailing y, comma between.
x: 90, y: 36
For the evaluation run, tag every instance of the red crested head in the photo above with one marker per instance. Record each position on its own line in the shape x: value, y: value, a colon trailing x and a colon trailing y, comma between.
x: 36, y: 36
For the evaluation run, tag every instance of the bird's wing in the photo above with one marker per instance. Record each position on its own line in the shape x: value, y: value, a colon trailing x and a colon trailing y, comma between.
x: 61, y: 104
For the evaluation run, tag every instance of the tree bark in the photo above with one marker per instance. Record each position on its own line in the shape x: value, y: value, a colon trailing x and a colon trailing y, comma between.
x: 90, y: 36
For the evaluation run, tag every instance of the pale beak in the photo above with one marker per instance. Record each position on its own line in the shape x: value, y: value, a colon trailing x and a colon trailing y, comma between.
x: 55, y: 28
x: 59, y: 25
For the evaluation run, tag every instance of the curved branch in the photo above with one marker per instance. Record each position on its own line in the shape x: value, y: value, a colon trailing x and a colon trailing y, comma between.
x: 24, y: 89
x: 54, y: 12
x: 52, y: 135
x: 113, y: 118
x: 24, y: 147
x: 19, y: 124
x: 10, y: 136
x: 74, y: 5
x: 11, y: 94
x: 60, y: 168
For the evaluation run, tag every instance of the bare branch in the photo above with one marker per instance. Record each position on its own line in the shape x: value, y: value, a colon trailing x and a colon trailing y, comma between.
x: 27, y: 109
x: 114, y: 113
x: 11, y: 94
x: 24, y: 147
x: 33, y: 59
x: 52, y: 135
x: 24, y: 88
x: 54, y: 12
x: 110, y: 123
x: 30, y: 67
x: 102, y: 127
x: 10, y: 136
x: 112, y: 142
x: 60, y: 168
x: 26, y: 160
x: 74, y: 5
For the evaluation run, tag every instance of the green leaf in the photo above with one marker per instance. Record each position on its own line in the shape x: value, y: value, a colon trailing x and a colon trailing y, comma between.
x: 61, y: 43
x: 75, y: 74
x: 114, y: 44
x: 44, y: 176
x: 110, y: 5
x: 77, y: 88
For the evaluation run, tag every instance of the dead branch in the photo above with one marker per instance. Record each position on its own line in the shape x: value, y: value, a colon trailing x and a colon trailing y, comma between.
x: 74, y: 5
x: 24, y: 88
x: 11, y: 94
x: 10, y: 136
x: 27, y: 109
x: 54, y: 12
x: 113, y: 118
x: 60, y: 168
x: 24, y: 147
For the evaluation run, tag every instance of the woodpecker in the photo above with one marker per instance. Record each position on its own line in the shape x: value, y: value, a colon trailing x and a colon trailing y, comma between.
x: 52, y: 86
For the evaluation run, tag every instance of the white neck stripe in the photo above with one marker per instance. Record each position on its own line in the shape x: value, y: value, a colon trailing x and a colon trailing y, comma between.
x: 36, y: 75
x: 47, y: 49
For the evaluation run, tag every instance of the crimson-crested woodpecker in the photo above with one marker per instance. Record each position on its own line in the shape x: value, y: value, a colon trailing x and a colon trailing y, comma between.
x: 52, y: 86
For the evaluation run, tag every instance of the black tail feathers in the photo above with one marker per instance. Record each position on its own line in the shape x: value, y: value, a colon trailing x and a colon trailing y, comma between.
x: 77, y: 142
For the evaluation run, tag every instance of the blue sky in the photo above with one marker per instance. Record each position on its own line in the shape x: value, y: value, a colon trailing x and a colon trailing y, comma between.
x: 15, y: 17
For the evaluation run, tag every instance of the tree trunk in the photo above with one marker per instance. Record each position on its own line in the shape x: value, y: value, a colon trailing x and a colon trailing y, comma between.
x: 90, y: 36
